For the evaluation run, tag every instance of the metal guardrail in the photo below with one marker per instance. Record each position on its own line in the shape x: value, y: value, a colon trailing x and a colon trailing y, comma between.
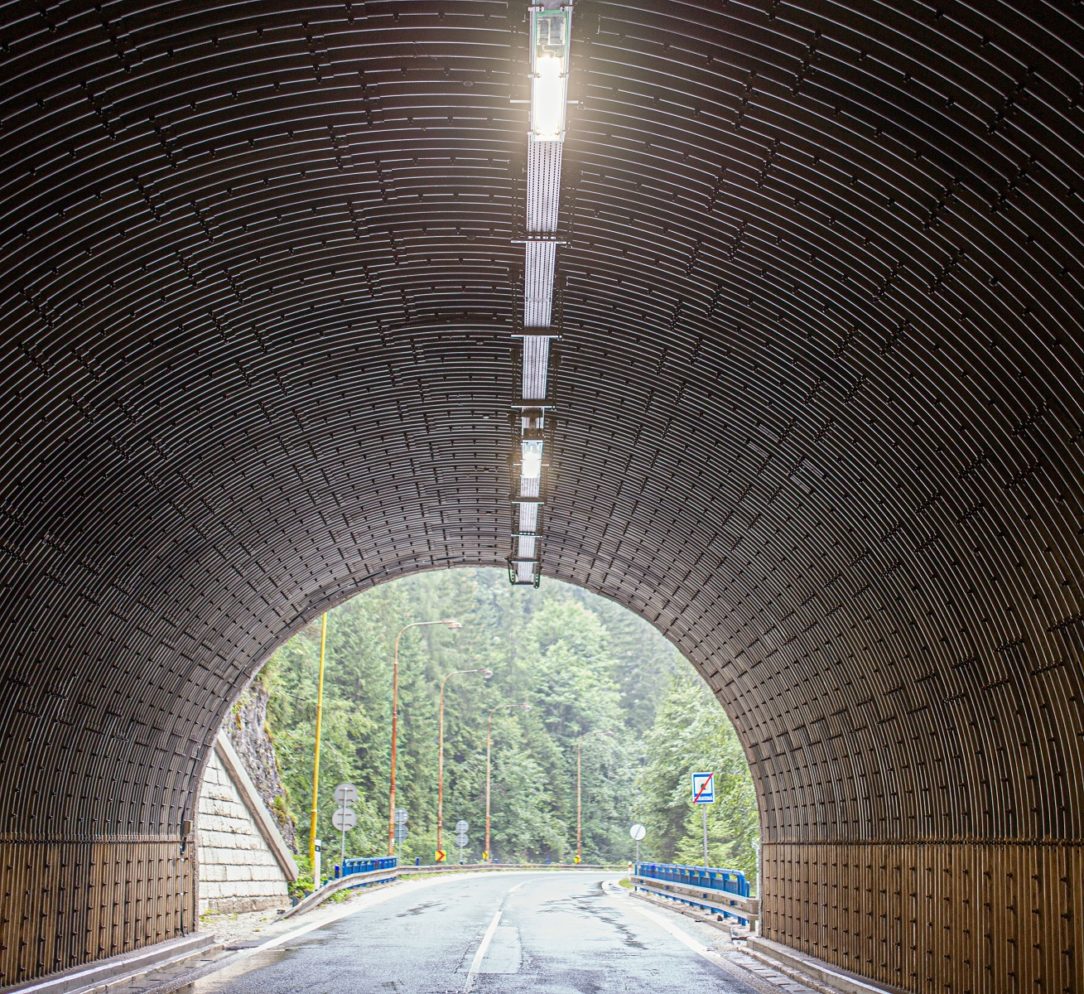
x: 717, y: 891
x: 507, y: 867
x: 388, y: 871
x: 321, y: 894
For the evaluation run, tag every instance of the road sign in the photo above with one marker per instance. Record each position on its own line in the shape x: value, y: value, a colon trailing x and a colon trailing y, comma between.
x: 461, y: 826
x: 344, y: 819
x: 401, y: 816
x: 345, y: 794
x: 461, y: 839
x: 703, y: 788
x: 485, y: 856
x: 575, y: 859
x: 440, y: 855
x: 637, y: 832
x: 402, y: 833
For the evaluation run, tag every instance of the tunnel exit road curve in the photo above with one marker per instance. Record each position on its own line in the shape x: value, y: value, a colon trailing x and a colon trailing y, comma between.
x: 557, y: 933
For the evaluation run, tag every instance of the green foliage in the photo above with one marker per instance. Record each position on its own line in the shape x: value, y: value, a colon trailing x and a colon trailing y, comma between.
x: 596, y: 677
x: 301, y: 887
x: 691, y: 733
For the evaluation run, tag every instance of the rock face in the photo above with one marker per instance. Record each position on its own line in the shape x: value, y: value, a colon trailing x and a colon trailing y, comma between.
x: 246, y: 727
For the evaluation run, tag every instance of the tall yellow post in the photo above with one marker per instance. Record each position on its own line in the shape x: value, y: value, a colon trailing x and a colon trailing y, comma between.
x: 316, y: 754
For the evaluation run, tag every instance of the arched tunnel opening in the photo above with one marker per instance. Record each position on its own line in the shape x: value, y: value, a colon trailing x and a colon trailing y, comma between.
x: 549, y: 724
x: 813, y: 411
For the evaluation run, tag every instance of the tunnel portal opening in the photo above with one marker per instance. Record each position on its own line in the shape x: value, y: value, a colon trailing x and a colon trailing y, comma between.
x: 548, y: 722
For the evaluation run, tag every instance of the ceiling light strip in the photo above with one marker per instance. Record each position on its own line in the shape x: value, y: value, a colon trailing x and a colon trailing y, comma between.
x: 551, y: 26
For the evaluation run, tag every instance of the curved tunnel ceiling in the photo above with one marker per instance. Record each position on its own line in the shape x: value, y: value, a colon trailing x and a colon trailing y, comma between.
x: 819, y: 417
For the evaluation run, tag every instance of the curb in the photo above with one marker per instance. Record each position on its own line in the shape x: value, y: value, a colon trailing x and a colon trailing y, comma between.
x: 809, y: 970
x: 102, y: 975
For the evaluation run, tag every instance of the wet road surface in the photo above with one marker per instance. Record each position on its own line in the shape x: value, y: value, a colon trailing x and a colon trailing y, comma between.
x: 554, y: 933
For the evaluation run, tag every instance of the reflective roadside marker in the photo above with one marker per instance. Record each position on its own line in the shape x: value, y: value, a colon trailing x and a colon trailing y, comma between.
x: 440, y: 855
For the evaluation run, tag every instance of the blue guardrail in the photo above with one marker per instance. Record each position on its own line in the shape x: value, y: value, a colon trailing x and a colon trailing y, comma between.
x: 709, y: 878
x: 366, y: 864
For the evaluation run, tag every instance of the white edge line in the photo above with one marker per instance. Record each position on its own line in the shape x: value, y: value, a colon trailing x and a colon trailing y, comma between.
x: 678, y: 933
x: 483, y: 946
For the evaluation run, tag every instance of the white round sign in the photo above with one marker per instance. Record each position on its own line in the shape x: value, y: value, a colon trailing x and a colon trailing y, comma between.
x: 461, y: 826
x: 344, y: 819
x: 346, y: 793
x: 637, y: 832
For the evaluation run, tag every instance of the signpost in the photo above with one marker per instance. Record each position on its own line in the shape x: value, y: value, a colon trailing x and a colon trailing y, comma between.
x: 704, y: 794
x: 461, y: 837
x: 637, y: 832
x: 401, y: 830
x: 344, y: 817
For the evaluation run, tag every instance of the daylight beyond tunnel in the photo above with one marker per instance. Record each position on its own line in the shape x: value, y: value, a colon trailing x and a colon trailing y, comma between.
x: 587, y: 722
x: 817, y: 417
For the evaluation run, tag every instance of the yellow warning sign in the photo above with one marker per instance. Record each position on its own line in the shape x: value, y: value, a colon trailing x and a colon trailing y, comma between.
x: 440, y: 855
x: 485, y: 856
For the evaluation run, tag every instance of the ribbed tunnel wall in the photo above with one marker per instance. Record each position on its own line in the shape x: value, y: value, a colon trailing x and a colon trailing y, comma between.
x: 820, y: 419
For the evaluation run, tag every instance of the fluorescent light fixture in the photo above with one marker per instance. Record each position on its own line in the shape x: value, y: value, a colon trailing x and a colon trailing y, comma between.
x: 539, y: 261
x: 551, y: 32
x: 528, y: 517
x: 531, y: 455
x: 536, y: 360
x: 543, y: 186
x: 548, y: 101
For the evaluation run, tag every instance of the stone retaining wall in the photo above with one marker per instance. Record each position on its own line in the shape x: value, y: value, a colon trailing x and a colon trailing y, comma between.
x: 243, y: 863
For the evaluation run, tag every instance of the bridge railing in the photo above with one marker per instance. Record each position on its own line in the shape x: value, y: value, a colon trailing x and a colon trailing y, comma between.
x: 709, y: 889
x: 367, y: 864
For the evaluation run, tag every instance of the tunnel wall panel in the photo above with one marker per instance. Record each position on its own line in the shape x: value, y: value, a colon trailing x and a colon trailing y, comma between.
x: 64, y: 903
x: 965, y: 917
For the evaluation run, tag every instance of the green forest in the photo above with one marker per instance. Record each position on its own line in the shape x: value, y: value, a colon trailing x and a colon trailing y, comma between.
x: 598, y: 680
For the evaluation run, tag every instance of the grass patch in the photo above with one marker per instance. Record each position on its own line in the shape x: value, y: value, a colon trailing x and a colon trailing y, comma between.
x: 625, y: 882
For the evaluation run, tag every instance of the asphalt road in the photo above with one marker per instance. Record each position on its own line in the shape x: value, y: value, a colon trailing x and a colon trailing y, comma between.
x: 554, y: 933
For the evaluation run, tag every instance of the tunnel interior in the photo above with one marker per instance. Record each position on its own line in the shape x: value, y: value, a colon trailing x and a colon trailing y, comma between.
x: 818, y: 418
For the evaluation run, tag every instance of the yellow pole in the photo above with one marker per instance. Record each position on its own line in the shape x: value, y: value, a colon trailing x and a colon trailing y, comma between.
x: 316, y: 754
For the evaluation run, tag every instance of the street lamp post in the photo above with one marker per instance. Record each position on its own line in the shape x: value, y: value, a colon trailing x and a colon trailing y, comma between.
x: 579, y: 801
x: 448, y: 623
x: 316, y: 750
x: 486, y: 673
x: 489, y: 749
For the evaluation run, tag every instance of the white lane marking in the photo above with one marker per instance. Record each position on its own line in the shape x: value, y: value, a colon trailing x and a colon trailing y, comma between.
x: 517, y: 887
x: 476, y: 963
x: 362, y: 901
x: 630, y: 904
